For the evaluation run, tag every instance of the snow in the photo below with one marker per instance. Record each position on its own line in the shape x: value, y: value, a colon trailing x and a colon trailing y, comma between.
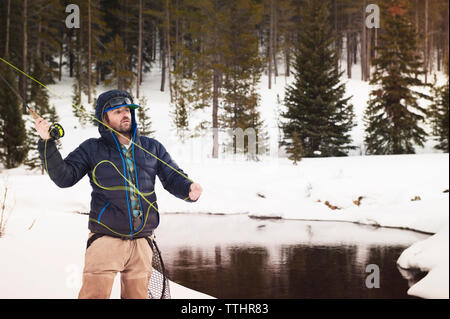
x: 430, y: 255
x: 42, y: 250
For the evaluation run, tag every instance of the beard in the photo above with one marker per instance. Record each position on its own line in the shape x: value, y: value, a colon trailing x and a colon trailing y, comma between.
x: 124, y: 127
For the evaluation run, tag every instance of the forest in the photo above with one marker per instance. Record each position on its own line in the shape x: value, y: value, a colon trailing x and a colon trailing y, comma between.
x: 211, y: 54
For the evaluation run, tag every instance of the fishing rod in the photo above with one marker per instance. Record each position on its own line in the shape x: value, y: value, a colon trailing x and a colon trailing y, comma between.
x: 55, y: 130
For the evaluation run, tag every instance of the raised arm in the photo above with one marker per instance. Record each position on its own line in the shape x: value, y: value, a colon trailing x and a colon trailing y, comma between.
x: 63, y: 172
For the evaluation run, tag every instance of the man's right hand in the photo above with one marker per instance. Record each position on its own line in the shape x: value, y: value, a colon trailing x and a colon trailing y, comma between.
x: 42, y: 127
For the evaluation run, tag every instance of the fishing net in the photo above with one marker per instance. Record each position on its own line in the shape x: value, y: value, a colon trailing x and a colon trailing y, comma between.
x: 158, y: 287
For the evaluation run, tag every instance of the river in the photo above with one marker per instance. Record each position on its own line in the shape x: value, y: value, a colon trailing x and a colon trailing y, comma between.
x: 234, y: 256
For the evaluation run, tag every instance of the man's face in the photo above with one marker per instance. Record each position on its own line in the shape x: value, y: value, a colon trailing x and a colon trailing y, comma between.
x: 120, y: 119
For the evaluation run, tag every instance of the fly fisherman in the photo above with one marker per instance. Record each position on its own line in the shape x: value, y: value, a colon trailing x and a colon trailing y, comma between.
x: 123, y: 213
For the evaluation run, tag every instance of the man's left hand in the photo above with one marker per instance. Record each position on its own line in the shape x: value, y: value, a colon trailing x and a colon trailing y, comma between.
x: 195, y: 191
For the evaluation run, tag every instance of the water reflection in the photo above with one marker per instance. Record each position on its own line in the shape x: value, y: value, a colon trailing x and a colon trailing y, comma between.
x: 274, y: 267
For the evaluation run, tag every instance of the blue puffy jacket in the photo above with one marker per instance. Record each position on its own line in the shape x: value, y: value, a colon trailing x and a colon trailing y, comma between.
x: 110, y: 209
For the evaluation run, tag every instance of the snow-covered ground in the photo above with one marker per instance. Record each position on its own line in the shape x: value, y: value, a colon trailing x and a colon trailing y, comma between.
x: 43, y: 247
x: 430, y: 255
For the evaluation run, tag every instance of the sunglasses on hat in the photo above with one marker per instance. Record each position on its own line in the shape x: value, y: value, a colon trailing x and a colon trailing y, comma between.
x: 117, y: 102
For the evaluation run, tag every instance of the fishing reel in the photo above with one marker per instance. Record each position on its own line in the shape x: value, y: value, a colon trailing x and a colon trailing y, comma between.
x: 56, y: 131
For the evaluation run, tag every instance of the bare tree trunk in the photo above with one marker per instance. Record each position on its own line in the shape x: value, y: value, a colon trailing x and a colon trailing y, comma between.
x: 163, y: 61
x: 89, y: 51
x: 363, y: 44
x: 169, y: 56
x: 369, y: 54
x: 8, y: 18
x: 138, y: 83
x: 177, y: 35
x: 431, y: 48
x: 337, y: 43
x: 71, y: 55
x: 60, y: 58
x: 425, y: 60
x: 439, y: 58
x: 375, y: 54
x: 25, y: 54
x: 287, y: 62
x: 38, y: 45
x: 275, y: 41
x: 270, y: 55
x: 215, y: 97
x: 349, y: 55
x: 215, y: 122
x: 335, y: 19
x: 154, y: 42
x: 447, y: 40
x: 417, y: 16
x: 80, y: 71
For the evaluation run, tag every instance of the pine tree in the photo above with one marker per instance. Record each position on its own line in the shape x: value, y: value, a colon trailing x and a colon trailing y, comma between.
x: 393, y: 115
x: 45, y: 37
x: 440, y: 117
x: 39, y: 101
x: 39, y: 96
x: 115, y: 54
x: 199, y: 63
x: 295, y: 149
x: 315, y: 105
x: 78, y: 109
x: 242, y: 71
x: 93, y: 29
x: 13, y: 148
x: 144, y: 122
x: 32, y: 160
x: 181, y: 120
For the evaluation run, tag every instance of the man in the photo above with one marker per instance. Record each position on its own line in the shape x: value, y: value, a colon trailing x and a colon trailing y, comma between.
x: 123, y: 213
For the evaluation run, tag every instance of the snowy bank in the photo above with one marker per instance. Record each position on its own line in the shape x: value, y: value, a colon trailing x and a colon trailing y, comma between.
x: 430, y: 255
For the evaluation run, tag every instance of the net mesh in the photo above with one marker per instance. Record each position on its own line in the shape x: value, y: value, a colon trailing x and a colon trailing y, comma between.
x: 158, y: 287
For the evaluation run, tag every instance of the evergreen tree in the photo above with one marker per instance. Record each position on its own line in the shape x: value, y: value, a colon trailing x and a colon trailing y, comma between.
x: 196, y: 59
x: 39, y: 101
x: 393, y: 115
x: 440, y: 117
x: 32, y: 160
x: 45, y: 37
x: 39, y: 96
x: 13, y: 149
x: 316, y: 109
x: 115, y: 54
x: 144, y: 122
x: 91, y: 47
x: 181, y: 119
x: 295, y: 149
x: 78, y: 108
x: 242, y: 69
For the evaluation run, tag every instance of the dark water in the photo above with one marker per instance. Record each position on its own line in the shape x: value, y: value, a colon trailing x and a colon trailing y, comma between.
x: 238, y: 257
